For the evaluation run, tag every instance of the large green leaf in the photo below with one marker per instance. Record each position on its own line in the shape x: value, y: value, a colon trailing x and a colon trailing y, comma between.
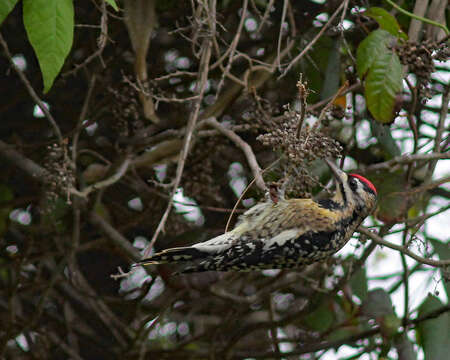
x: 383, y: 85
x: 371, y: 47
x: 386, y: 21
x: 433, y: 334
x: 383, y: 74
x: 5, y: 8
x: 49, y: 25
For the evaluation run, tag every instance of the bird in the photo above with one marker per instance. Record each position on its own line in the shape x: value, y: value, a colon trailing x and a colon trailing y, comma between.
x: 282, y: 233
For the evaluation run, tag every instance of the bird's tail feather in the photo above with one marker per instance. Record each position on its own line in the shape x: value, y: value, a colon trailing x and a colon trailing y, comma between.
x: 173, y: 255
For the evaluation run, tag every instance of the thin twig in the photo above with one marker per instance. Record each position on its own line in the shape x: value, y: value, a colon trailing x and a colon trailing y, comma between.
x: 117, y: 238
x: 313, y: 41
x: 280, y: 33
x: 232, y: 48
x: 414, y: 16
x: 101, y: 42
x: 82, y: 118
x: 407, y: 159
x: 104, y: 183
x: 246, y: 148
x: 378, y: 240
x: 342, y: 90
x: 29, y: 166
x: 244, y: 192
x: 31, y: 91
x: 440, y: 130
x: 202, y: 81
x: 302, y: 95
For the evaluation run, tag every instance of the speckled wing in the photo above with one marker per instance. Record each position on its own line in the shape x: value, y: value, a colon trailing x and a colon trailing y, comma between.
x: 268, y: 219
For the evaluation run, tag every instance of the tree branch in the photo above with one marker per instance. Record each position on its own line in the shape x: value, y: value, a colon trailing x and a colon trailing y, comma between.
x: 378, y: 240
x: 246, y: 149
x: 31, y: 91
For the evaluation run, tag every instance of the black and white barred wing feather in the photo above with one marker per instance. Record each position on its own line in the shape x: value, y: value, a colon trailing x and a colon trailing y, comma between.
x: 269, y: 235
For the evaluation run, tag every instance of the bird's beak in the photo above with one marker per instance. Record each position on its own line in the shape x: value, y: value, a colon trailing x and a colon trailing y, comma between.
x: 338, y: 174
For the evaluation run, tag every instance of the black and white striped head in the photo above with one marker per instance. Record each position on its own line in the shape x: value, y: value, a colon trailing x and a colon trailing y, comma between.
x: 353, y: 190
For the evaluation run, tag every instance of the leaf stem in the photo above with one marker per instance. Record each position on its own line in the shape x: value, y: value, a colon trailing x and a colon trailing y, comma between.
x: 420, y: 18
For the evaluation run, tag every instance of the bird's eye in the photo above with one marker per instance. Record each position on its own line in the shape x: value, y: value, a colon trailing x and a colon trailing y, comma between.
x: 353, y: 183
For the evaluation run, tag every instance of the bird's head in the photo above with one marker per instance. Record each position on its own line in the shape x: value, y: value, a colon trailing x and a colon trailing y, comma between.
x: 353, y: 190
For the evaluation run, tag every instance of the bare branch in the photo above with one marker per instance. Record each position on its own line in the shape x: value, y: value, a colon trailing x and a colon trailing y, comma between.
x: 104, y: 183
x: 313, y: 41
x: 407, y: 159
x: 378, y: 240
x: 246, y: 148
x: 31, y: 91
x: 27, y: 165
x: 201, y: 86
x: 115, y: 236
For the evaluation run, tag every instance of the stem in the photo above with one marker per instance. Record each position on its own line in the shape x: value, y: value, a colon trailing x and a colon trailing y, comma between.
x: 420, y: 18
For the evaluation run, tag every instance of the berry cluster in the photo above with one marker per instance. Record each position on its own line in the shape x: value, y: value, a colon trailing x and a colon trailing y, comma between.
x: 419, y: 57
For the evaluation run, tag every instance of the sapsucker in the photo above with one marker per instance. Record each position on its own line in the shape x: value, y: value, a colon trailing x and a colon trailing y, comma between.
x: 282, y: 234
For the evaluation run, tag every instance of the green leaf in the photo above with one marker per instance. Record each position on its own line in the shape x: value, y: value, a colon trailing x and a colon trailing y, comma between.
x: 378, y: 304
x: 49, y: 25
x: 313, y: 70
x: 383, y: 84
x: 358, y: 283
x: 433, y: 334
x: 370, y: 48
x: 393, y: 204
x: 388, y: 144
x: 113, y: 4
x: 5, y: 8
x: 321, y: 318
x: 405, y: 349
x: 386, y: 21
x: 332, y: 74
x: 384, y: 74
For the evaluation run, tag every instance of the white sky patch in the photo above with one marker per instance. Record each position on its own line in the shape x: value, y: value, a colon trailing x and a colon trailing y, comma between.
x: 20, y: 61
x: 250, y: 24
x: 322, y: 17
x: 183, y: 329
x: 192, y: 213
x: 443, y: 76
x: 346, y: 24
x: 12, y: 249
x: 136, y: 204
x: 21, y: 340
x: 160, y: 171
x: 183, y: 63
x: 21, y: 216
x: 37, y: 112
x: 238, y: 182
x: 140, y: 242
x: 90, y: 129
x: 437, y: 226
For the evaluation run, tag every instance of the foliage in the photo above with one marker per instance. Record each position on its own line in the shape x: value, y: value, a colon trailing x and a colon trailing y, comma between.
x: 139, y: 122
